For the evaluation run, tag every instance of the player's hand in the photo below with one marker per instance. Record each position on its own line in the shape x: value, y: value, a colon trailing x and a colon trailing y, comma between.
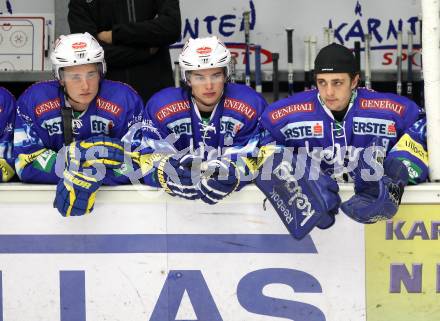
x: 219, y: 180
x: 153, y: 50
x: 179, y: 175
x: 377, y: 200
x: 75, y: 193
x: 105, y: 36
x: 95, y: 150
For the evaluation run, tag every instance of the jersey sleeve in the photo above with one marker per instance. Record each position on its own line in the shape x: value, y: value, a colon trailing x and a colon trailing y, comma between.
x: 245, y: 148
x: 414, y: 113
x: 34, y: 161
x: 130, y: 134
x: 411, y: 149
x: 7, y: 118
x: 156, y: 143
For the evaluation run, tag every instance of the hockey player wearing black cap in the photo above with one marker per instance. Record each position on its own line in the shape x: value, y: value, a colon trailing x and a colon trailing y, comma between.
x: 335, y: 123
x: 336, y: 77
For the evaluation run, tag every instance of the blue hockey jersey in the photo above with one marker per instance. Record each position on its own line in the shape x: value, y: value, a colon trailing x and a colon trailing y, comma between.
x: 302, y: 121
x: 39, y: 135
x: 7, y: 118
x: 173, y: 120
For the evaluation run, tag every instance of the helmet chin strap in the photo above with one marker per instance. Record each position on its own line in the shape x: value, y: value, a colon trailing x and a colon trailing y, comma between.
x: 67, y: 117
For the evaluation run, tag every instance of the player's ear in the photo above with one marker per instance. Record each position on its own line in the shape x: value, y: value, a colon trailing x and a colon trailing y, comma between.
x: 355, y: 81
x: 188, y: 78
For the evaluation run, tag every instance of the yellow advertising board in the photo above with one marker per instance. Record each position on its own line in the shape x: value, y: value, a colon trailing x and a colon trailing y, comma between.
x: 403, y: 266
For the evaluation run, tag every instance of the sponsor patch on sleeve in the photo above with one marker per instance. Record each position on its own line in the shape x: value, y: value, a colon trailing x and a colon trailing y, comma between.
x: 174, y: 108
x: 406, y: 143
x: 382, y: 104
x: 240, y: 107
x: 282, y: 112
x: 108, y: 106
x: 45, y: 161
x: 47, y: 106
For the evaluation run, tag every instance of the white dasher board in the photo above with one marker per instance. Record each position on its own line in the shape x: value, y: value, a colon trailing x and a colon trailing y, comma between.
x: 22, y: 45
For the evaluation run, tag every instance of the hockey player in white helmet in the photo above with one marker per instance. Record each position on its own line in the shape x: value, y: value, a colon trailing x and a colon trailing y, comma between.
x: 74, y: 56
x: 79, y: 110
x: 204, y: 65
x: 208, y: 120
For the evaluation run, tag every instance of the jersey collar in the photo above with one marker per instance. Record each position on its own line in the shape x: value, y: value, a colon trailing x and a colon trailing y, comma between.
x: 350, y: 104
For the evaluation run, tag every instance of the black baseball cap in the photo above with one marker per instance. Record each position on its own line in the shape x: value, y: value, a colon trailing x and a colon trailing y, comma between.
x: 335, y: 58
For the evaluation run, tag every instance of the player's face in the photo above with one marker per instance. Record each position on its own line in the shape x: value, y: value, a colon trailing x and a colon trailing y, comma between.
x: 335, y: 89
x: 207, y: 87
x: 82, y: 85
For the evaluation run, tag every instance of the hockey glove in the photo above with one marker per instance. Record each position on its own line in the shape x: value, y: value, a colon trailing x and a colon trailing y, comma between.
x: 377, y: 200
x: 220, y: 178
x: 179, y: 175
x: 6, y: 171
x: 75, y: 194
x: 300, y: 200
x: 95, y: 150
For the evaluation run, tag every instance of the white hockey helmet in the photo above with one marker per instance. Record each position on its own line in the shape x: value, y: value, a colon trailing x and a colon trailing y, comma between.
x: 76, y: 49
x: 204, y: 53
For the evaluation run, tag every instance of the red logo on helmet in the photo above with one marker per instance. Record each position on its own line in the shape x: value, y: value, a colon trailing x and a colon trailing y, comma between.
x: 204, y: 50
x: 79, y: 45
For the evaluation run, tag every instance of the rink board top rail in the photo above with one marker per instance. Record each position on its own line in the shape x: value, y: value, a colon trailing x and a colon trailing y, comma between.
x: 427, y: 193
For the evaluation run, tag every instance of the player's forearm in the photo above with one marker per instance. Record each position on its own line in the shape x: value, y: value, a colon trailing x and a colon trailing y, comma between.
x: 37, y: 167
x: 123, y: 56
x: 147, y: 33
x: 79, y: 18
x: 29, y: 174
x: 162, y: 30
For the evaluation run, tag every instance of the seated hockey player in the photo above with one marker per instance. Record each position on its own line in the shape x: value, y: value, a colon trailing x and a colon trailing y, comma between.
x: 207, y: 125
x: 81, y: 111
x: 334, y: 124
x: 7, y: 117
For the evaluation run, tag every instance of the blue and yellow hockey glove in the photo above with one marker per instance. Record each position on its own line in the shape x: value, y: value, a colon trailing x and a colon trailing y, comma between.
x: 95, y: 150
x: 179, y: 175
x: 75, y: 194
